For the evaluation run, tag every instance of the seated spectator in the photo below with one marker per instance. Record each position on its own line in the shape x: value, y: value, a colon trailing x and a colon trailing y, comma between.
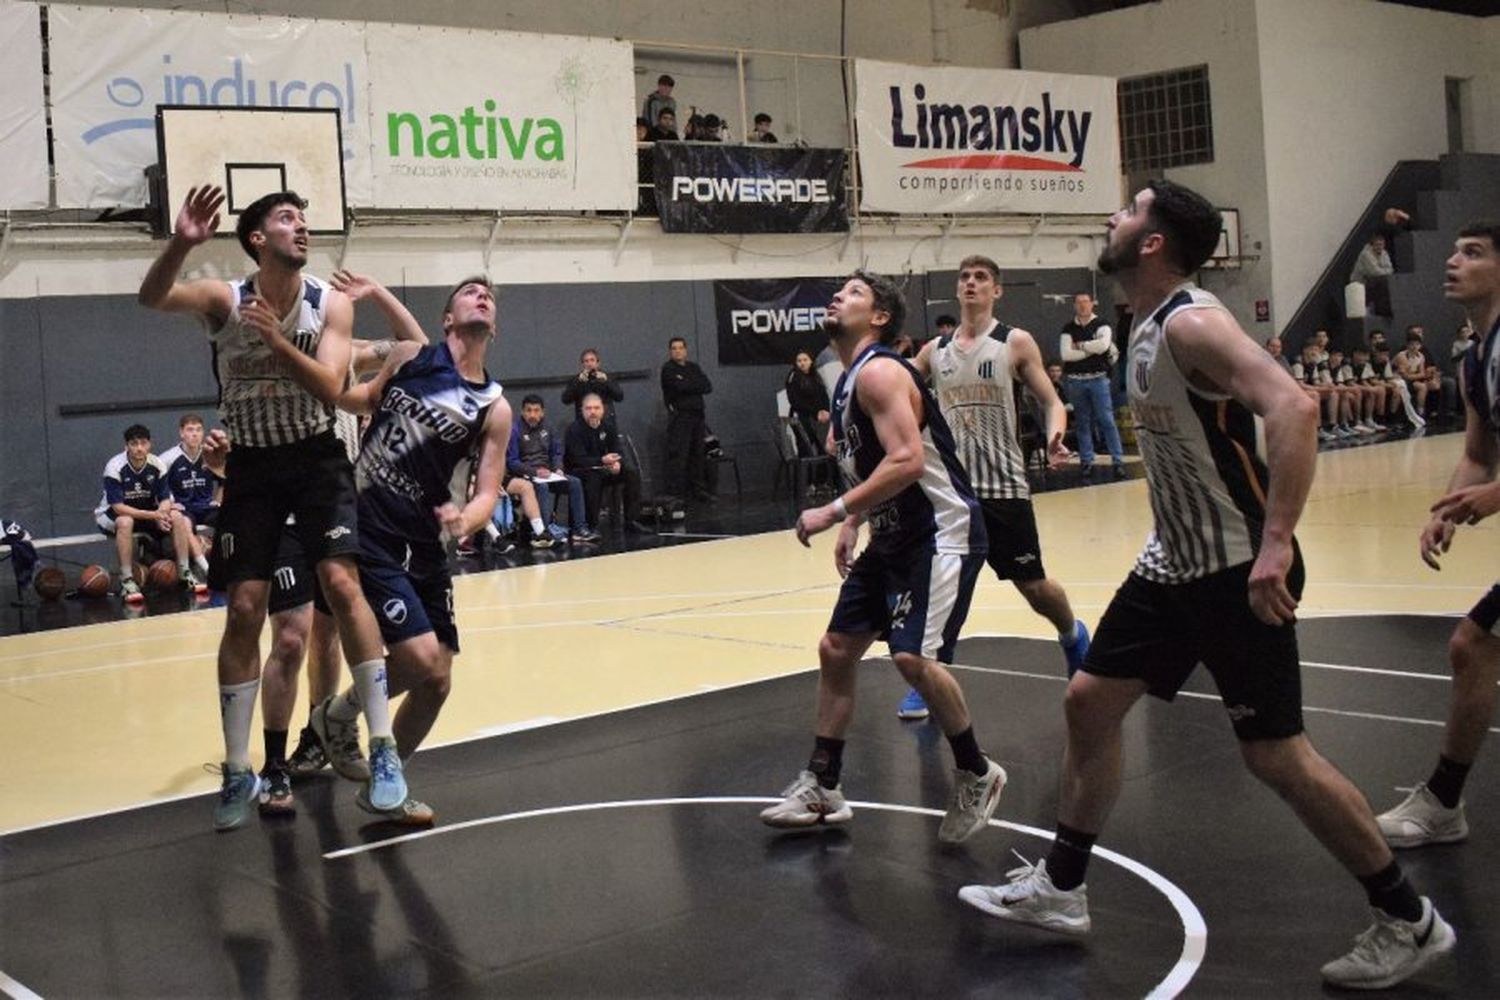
x: 645, y: 169
x: 666, y: 126
x: 593, y: 455
x: 1354, y: 402
x: 1055, y: 374
x: 136, y: 498
x: 1373, y: 269
x: 523, y: 495
x: 1273, y: 348
x: 536, y: 454
x: 196, y: 490
x: 712, y: 129
x: 1463, y: 339
x: 593, y: 379
x: 1311, y: 374
x: 1380, y: 360
x: 660, y: 100
x: 1448, y: 401
x: 945, y: 326
x: 763, y: 131
x: 1320, y: 338
x: 1377, y: 397
x: 1417, y: 371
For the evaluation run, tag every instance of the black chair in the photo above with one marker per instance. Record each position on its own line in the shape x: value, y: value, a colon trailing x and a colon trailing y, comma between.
x: 799, y: 457
x: 721, y: 457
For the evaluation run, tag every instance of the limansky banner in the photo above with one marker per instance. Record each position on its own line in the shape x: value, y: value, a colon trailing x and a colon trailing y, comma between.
x: 954, y: 139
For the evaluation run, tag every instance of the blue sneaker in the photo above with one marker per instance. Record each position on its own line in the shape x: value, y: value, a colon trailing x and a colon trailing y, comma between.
x: 912, y: 706
x: 1080, y: 648
x: 240, y: 789
x: 558, y: 532
x: 387, y: 784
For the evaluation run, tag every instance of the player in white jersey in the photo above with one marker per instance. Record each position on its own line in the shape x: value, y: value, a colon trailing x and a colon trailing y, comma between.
x: 1434, y: 812
x: 974, y: 371
x: 281, y: 343
x: 1218, y: 583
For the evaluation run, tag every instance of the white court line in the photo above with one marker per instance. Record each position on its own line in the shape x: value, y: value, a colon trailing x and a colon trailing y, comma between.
x: 1194, y: 929
x: 15, y: 990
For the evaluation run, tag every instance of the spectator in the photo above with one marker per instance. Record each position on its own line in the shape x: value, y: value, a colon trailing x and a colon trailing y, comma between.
x: 904, y: 346
x: 1463, y: 339
x: 593, y: 379
x: 1320, y: 338
x: 683, y: 386
x: 196, y: 490
x: 1087, y: 347
x: 645, y: 169
x: 1383, y: 398
x: 763, y: 131
x: 1448, y: 384
x: 809, y: 403
x: 712, y: 129
x: 1273, y: 348
x: 660, y: 100
x: 536, y: 454
x: 1310, y: 372
x: 1055, y: 374
x: 1354, y: 402
x: 136, y: 498
x: 1417, y: 371
x: 945, y: 326
x: 1380, y: 360
x: 666, y: 126
x: 593, y: 456
x: 1373, y: 269
x: 1377, y: 342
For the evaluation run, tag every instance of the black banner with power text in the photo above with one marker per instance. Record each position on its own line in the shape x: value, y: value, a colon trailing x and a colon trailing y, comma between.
x: 766, y: 322
x: 704, y: 187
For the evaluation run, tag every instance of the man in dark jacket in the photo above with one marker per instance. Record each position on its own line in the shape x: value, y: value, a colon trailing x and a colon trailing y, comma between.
x: 683, y: 386
x: 592, y: 454
x: 593, y: 380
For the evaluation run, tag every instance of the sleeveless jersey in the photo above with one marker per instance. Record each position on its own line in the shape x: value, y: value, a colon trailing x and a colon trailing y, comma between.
x: 1201, y: 451
x: 1481, y: 367
x: 428, y: 421
x: 976, y: 391
x: 259, y: 401
x: 191, y: 482
x: 938, y: 512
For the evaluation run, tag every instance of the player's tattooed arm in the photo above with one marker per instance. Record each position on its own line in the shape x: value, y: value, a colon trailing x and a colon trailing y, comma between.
x: 403, y: 324
x: 364, y: 397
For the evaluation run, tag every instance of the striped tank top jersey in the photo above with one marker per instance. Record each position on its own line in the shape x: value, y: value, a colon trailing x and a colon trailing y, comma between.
x: 938, y: 511
x: 259, y: 402
x: 977, y: 393
x: 1203, y: 457
x: 1481, y: 370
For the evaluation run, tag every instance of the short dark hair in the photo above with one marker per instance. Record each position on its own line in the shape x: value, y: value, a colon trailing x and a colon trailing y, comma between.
x: 677, y: 340
x: 587, y: 351
x: 888, y: 299
x: 255, y: 214
x: 1483, y: 229
x: 1416, y: 328
x: 762, y: 117
x: 473, y: 279
x: 665, y: 78
x: 1188, y: 220
x: 137, y: 432
x: 641, y: 122
x: 531, y: 398
x: 946, y: 320
x: 980, y: 260
x: 188, y: 418
x: 666, y: 111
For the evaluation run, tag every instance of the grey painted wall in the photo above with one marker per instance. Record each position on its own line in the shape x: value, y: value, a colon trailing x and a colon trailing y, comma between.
x: 99, y: 350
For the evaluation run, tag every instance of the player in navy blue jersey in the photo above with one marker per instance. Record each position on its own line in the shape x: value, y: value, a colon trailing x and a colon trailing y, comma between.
x: 912, y: 584
x: 136, y: 498
x: 195, y: 488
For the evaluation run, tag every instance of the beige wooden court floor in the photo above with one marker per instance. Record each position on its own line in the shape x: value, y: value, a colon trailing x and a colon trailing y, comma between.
x: 104, y: 717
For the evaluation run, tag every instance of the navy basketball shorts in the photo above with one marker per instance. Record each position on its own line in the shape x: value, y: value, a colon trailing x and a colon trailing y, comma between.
x: 915, y: 601
x: 408, y: 601
x: 1159, y: 633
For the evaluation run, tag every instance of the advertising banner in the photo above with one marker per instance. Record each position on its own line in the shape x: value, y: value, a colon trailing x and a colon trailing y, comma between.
x: 713, y: 188
x: 499, y: 120
x: 111, y: 67
x: 23, y: 124
x: 766, y: 322
x: 954, y: 139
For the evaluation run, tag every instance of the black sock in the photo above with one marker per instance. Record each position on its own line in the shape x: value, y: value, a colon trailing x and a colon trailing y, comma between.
x: 275, y: 746
x: 1388, y: 890
x: 1068, y: 861
x: 827, y: 760
x: 1447, y: 781
x: 966, y: 753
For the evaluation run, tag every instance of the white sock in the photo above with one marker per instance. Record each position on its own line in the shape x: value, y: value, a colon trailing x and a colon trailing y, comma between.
x: 182, y: 568
x: 201, y: 565
x: 369, y: 678
x: 344, y: 707
x: 236, y: 708
x: 538, y: 526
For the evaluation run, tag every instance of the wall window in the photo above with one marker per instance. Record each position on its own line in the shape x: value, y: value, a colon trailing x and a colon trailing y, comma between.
x: 1166, y: 120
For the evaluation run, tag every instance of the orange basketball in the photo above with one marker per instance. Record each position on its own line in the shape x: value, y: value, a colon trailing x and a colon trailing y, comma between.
x: 162, y: 575
x: 93, y: 581
x: 50, y: 583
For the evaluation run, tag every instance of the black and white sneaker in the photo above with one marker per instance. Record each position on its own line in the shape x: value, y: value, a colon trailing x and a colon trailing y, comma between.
x: 1391, y: 950
x: 309, y: 757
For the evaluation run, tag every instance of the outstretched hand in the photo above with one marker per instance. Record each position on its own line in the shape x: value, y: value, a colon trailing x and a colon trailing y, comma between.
x: 199, y: 218
x: 356, y: 286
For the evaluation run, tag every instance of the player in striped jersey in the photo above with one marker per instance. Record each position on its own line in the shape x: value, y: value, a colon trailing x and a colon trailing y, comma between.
x: 1218, y: 583
x: 281, y: 344
x: 1434, y: 812
x: 974, y: 371
x: 912, y: 584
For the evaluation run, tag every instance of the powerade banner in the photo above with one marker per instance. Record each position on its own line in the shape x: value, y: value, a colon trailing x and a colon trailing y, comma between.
x: 23, y: 126
x: 954, y: 139
x: 712, y: 188
x: 767, y: 322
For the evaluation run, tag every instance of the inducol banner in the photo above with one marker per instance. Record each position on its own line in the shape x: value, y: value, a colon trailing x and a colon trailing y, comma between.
x: 712, y: 188
x: 23, y: 125
x: 951, y: 139
x: 766, y: 322
x: 500, y: 120
x: 111, y: 67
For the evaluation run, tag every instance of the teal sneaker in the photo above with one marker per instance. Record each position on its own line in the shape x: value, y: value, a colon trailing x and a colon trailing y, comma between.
x: 387, y: 788
x: 240, y: 791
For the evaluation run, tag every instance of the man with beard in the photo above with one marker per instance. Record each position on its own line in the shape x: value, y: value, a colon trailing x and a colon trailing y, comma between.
x: 912, y: 584
x: 1217, y: 583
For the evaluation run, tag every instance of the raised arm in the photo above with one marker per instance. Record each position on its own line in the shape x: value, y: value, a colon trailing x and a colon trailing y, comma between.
x: 365, y: 396
x: 196, y: 223
x: 369, y: 355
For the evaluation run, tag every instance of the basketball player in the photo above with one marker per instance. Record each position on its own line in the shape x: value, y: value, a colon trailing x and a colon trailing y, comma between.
x: 281, y: 355
x: 1434, y: 812
x: 912, y: 584
x: 973, y: 372
x: 1217, y: 583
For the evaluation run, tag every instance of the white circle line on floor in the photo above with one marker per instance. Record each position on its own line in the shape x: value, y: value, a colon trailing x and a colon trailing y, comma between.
x: 1194, y: 929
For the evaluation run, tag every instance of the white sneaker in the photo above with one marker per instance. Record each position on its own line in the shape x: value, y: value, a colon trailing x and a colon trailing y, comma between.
x: 1324, y: 434
x: 1422, y: 819
x: 1031, y: 898
x: 1363, y: 428
x: 1376, y: 425
x: 1391, y: 950
x: 807, y: 803
x: 974, y: 800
